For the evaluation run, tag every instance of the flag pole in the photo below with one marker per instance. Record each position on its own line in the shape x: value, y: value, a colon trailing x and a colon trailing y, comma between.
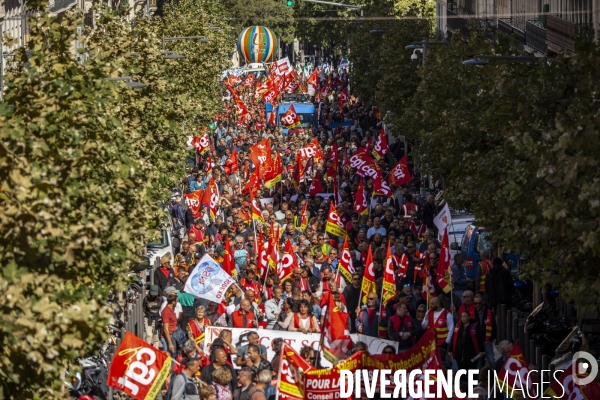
x: 281, y: 352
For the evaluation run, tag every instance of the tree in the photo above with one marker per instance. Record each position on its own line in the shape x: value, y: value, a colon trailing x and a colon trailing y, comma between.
x: 274, y: 14
x: 83, y: 162
x: 515, y: 144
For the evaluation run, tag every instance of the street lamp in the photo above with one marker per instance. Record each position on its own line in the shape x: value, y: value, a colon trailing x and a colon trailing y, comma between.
x: 128, y: 81
x: 480, y: 59
x: 422, y: 47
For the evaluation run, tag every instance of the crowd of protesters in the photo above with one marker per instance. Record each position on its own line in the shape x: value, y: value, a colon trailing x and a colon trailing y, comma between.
x: 464, y: 319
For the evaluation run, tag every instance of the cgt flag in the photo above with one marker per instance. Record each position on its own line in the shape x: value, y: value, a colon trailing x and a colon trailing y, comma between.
x: 288, y: 263
x: 138, y: 369
x: 334, y: 225
x: 292, y: 368
x: 361, y: 205
x: 345, y: 264
x: 208, y: 280
x: 381, y: 147
x: 514, y: 375
x: 368, y: 282
x: 400, y: 174
x: 231, y: 165
x: 290, y: 119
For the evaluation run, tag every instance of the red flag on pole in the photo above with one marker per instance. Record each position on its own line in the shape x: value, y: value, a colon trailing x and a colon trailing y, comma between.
x: 138, y: 369
x: 231, y: 165
x: 368, y: 282
x: 315, y: 186
x: 361, y: 205
x: 290, y: 119
x: 381, y: 147
x: 336, y: 331
x: 228, y: 261
x: 345, y: 265
x: 288, y: 262
x: 444, y: 269
x: 399, y: 175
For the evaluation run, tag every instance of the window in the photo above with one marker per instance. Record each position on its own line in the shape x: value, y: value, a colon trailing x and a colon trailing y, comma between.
x: 164, y: 241
x: 482, y: 242
x: 467, y: 239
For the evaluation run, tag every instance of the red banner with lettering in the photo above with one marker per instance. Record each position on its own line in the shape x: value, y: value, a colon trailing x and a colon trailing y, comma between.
x: 324, y: 384
x: 138, y: 369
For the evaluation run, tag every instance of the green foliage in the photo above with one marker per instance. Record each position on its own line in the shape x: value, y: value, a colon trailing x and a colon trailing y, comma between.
x: 83, y: 162
x: 382, y: 72
x: 274, y: 14
x: 516, y: 144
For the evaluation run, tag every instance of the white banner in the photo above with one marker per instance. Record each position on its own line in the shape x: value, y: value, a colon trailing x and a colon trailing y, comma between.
x: 443, y: 219
x: 295, y: 340
x: 323, y: 195
x: 208, y: 280
x: 264, y: 202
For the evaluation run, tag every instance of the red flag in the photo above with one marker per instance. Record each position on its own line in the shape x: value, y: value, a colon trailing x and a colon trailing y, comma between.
x: 515, y: 365
x: 274, y: 173
x: 428, y: 288
x: 273, y: 250
x: 228, y: 261
x: 381, y: 147
x: 201, y: 143
x: 311, y: 150
x: 381, y: 188
x: 260, y: 154
x: 209, y: 164
x: 248, y: 81
x: 296, y: 173
x: 288, y: 262
x: 313, y: 79
x: 315, y: 186
x: 361, y: 205
x: 233, y: 80
x: 567, y: 386
x: 290, y: 119
x: 263, y: 262
x: 368, y: 282
x: 338, y: 337
x: 290, y: 384
x: 194, y: 201
x: 444, y: 269
x: 211, y: 197
x: 389, y: 278
x: 304, y: 217
x: 255, y: 210
x: 231, y: 165
x: 252, y: 185
x: 138, y: 369
x: 399, y: 175
x: 334, y: 225
x: 345, y: 265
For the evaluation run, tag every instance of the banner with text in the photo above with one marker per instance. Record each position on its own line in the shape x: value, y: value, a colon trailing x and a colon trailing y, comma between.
x: 324, y: 384
x: 293, y: 339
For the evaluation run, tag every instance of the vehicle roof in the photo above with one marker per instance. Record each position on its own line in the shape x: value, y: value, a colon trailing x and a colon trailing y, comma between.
x: 299, y: 107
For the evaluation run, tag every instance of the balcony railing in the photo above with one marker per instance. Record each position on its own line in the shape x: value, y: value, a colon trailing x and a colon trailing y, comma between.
x: 56, y: 6
x: 456, y: 23
x: 561, y: 32
x: 535, y: 37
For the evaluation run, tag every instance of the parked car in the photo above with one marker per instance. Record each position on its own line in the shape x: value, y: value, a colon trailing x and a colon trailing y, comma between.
x: 456, y: 231
x: 156, y: 250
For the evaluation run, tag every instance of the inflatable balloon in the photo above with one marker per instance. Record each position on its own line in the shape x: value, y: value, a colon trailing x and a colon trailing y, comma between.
x: 257, y: 44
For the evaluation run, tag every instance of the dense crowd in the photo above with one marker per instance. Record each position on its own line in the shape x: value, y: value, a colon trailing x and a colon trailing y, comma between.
x: 464, y: 318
